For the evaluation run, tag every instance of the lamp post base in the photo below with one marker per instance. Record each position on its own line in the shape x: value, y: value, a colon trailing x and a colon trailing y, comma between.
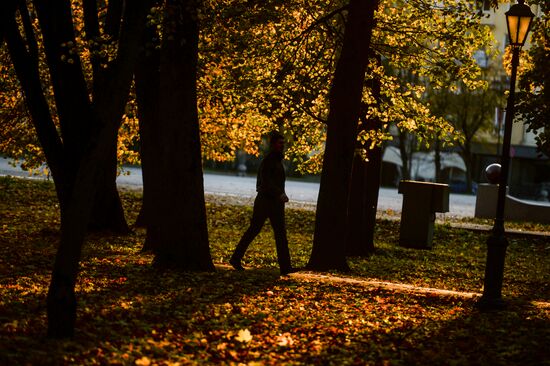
x: 494, y: 270
x: 485, y: 304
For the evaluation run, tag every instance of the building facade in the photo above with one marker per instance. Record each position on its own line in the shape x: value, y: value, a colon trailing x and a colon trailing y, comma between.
x: 529, y: 171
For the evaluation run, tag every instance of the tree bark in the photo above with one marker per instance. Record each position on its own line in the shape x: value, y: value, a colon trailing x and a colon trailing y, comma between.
x: 405, y: 157
x: 179, y: 208
x: 345, y: 103
x: 88, y: 132
x: 363, y: 203
x: 91, y: 26
x: 364, y: 188
x: 25, y: 62
x: 467, y: 157
x: 69, y: 85
x: 147, y: 82
x: 108, y: 111
x: 437, y: 160
x: 76, y: 111
x: 107, y: 211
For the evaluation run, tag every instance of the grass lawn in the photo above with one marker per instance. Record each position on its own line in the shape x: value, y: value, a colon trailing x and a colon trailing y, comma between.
x: 133, y: 314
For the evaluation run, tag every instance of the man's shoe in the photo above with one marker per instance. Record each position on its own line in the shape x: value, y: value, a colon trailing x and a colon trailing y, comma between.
x: 236, y: 264
x: 287, y: 271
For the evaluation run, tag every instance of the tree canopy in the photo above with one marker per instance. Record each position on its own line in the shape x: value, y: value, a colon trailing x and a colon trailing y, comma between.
x: 293, y: 47
x: 266, y: 65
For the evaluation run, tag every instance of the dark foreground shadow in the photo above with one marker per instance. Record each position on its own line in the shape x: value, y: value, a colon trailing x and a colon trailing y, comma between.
x: 122, y: 303
x: 132, y: 312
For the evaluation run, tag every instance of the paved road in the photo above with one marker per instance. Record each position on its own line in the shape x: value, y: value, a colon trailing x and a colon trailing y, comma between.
x: 220, y: 184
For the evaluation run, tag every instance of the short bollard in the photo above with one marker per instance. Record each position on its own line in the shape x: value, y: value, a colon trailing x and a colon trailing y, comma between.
x: 421, y: 200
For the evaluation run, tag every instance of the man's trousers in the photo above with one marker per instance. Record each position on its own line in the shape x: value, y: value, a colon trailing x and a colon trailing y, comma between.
x: 264, y: 208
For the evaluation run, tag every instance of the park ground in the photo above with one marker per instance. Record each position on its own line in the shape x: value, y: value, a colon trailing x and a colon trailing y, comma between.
x: 399, y: 306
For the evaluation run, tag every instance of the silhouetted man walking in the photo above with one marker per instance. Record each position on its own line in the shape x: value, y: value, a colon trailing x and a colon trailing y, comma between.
x: 269, y: 203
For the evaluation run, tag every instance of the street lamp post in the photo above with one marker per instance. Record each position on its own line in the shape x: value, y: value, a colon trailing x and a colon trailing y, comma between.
x: 518, y: 20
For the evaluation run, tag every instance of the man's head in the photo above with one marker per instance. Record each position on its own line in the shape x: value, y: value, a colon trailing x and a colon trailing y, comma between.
x: 276, y: 142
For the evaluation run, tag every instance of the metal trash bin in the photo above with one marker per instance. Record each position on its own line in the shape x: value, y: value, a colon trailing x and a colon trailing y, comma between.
x: 421, y: 200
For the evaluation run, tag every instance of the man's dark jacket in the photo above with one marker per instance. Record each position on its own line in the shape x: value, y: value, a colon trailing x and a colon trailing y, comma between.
x: 271, y: 176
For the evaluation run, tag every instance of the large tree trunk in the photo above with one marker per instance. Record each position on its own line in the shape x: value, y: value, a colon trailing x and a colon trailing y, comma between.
x: 179, y: 207
x: 345, y: 104
x: 108, y: 111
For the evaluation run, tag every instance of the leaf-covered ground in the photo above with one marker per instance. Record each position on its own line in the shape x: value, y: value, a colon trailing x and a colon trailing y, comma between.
x: 133, y: 314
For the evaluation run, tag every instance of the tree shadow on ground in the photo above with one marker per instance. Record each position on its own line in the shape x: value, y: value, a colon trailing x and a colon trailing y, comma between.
x: 123, y: 302
x: 462, y: 336
x: 457, y: 262
x: 128, y: 311
x: 518, y: 335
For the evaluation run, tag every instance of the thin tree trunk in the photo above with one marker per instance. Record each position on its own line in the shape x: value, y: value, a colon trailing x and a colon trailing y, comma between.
x: 147, y: 83
x: 91, y: 26
x: 405, y: 158
x: 70, y: 89
x: 373, y: 176
x: 364, y: 188
x: 69, y: 86
x: 25, y: 61
x: 437, y: 160
x: 363, y: 203
x: 345, y: 104
x: 107, y: 211
x: 467, y: 156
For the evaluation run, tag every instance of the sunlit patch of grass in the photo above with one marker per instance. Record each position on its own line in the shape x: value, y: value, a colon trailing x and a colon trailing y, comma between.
x: 510, y: 224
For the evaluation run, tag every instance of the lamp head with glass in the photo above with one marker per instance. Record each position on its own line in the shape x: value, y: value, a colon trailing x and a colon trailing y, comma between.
x: 518, y: 20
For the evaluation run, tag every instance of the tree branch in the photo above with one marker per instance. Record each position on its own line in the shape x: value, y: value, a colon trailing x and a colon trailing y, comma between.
x: 323, y: 19
x: 91, y: 26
